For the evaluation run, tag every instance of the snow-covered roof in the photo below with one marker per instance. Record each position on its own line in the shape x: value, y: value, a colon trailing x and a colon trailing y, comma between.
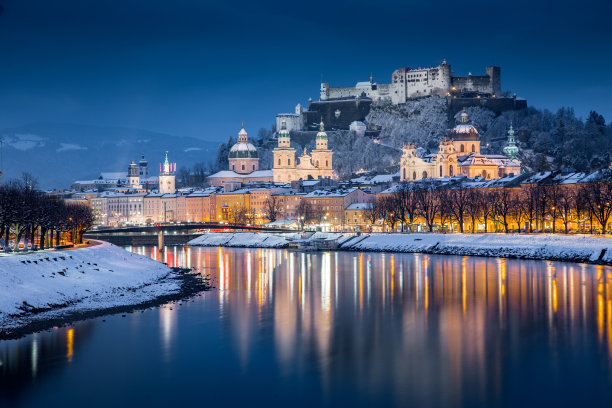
x: 359, y: 206
x: 241, y: 147
x: 337, y: 192
x: 234, y: 175
x: 114, y: 175
x: 281, y: 223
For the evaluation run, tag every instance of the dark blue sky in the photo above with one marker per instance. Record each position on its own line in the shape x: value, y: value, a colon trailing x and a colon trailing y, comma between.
x: 192, y: 68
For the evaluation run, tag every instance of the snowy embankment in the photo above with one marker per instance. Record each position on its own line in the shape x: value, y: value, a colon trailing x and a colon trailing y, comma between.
x: 575, y: 248
x: 49, y: 285
x: 244, y: 240
x: 554, y: 247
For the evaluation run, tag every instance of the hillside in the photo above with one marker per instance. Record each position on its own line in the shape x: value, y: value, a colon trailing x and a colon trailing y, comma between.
x: 57, y: 154
x: 547, y: 140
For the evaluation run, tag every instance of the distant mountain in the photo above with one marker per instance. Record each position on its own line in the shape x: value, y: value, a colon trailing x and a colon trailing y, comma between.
x: 58, y: 154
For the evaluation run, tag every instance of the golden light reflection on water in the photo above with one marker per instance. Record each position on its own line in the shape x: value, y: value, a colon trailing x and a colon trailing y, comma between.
x: 379, y: 312
x: 69, y: 344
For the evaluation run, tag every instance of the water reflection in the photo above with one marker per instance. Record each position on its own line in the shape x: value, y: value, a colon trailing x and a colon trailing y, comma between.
x: 381, y: 329
x: 412, y: 324
x: 23, y: 361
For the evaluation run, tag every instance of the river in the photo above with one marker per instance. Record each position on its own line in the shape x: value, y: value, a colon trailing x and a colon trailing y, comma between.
x: 291, y: 329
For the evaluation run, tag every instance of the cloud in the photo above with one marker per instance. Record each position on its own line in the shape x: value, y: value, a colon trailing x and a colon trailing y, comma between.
x: 192, y: 149
x: 24, y: 141
x: 66, y: 147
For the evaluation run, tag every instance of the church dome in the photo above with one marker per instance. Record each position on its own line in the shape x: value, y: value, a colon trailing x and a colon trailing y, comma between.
x: 464, y: 131
x: 243, y: 149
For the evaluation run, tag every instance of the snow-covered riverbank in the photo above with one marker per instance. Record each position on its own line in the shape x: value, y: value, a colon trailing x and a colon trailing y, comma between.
x: 51, y: 285
x: 575, y: 248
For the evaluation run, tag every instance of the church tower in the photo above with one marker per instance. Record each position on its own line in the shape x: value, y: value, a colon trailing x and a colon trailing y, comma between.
x: 511, y: 150
x: 321, y: 155
x: 133, y: 178
x: 143, y: 167
x: 166, y: 177
x: 283, y: 169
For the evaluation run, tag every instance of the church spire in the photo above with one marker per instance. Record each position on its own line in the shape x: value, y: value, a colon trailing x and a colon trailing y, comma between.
x: 321, y: 142
x: 511, y: 150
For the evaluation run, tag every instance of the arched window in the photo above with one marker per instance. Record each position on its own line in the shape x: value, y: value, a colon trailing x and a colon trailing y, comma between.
x: 473, y: 148
x: 233, y: 167
x: 424, y: 174
x: 440, y: 171
x: 253, y: 167
x: 317, y: 164
x: 243, y: 167
x: 279, y: 162
x: 462, y: 148
x: 450, y: 170
x: 404, y: 174
x: 414, y: 175
x: 484, y: 173
x: 326, y: 163
x: 289, y: 162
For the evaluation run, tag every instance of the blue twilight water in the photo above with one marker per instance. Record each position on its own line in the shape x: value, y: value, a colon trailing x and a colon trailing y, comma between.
x: 292, y: 329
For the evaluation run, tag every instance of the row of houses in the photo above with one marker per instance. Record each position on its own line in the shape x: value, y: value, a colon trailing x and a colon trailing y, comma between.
x: 328, y: 206
x: 249, y: 204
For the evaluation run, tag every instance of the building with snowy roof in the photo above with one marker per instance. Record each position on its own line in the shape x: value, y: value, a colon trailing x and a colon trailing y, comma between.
x: 243, y: 161
x: 459, y: 154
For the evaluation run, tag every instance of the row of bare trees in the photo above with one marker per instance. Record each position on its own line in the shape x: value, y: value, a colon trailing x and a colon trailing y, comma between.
x: 532, y: 208
x: 28, y: 214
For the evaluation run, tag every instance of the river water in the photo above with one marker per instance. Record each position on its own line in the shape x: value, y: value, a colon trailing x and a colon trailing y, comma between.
x: 292, y: 329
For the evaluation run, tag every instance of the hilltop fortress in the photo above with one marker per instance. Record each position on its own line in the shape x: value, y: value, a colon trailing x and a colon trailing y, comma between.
x: 340, y: 107
x: 408, y: 83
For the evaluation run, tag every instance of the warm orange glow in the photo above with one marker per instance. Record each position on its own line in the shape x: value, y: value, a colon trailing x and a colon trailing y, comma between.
x: 69, y: 344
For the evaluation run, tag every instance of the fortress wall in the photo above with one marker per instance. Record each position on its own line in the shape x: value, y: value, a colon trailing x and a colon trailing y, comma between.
x: 497, y: 105
x: 292, y: 121
x: 482, y: 84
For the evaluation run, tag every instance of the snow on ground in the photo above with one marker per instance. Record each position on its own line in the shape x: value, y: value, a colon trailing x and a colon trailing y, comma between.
x: 244, y: 239
x: 49, y: 284
x: 579, y: 248
x: 555, y: 247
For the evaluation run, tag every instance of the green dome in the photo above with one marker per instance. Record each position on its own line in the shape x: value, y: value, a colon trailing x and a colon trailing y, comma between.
x: 283, y: 132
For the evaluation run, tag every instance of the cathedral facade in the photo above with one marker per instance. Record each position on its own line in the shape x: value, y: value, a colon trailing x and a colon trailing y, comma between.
x: 314, y: 165
x: 459, y: 154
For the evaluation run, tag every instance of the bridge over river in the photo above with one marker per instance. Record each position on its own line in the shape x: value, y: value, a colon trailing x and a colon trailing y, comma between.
x: 178, y: 233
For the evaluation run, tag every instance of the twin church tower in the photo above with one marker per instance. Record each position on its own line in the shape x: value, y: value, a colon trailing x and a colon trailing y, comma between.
x: 317, y: 164
x: 244, y: 161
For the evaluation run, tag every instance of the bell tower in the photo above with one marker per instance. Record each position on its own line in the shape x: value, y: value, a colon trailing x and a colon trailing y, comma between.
x: 321, y: 155
x: 283, y: 169
x: 167, y: 177
x: 133, y: 178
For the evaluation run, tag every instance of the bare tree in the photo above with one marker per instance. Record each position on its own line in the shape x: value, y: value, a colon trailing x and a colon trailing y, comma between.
x: 271, y: 208
x: 428, y: 203
x: 502, y: 203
